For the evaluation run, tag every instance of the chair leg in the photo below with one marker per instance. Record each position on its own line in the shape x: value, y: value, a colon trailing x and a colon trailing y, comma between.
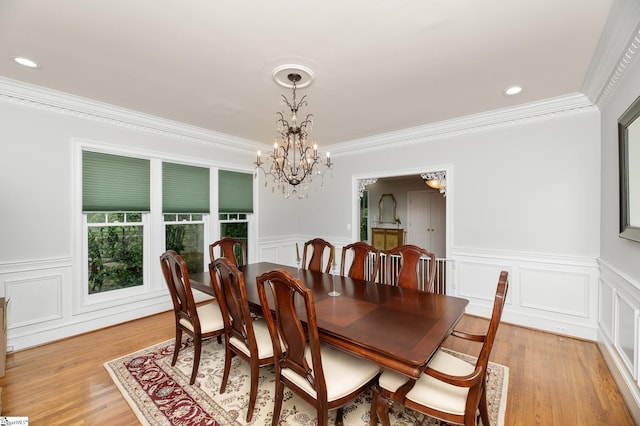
x: 253, y: 393
x: 484, y: 411
x: 227, y: 367
x: 373, y: 416
x: 323, y: 418
x: 339, y: 417
x: 277, y: 405
x: 176, y: 348
x: 197, y: 348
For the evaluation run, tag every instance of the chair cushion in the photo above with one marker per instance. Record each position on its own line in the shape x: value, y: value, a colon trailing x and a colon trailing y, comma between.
x: 432, y: 392
x: 343, y: 373
x: 263, y: 340
x: 210, y: 318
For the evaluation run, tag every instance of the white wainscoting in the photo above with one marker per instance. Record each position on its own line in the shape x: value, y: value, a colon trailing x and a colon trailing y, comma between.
x: 40, y: 303
x: 618, y: 332
x: 283, y: 251
x: 550, y: 293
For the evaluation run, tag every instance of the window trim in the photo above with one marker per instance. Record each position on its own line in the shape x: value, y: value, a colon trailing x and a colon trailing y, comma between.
x: 81, y: 301
x: 153, y: 294
x: 91, y: 299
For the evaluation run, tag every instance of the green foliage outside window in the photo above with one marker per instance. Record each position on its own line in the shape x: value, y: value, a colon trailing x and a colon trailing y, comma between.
x: 187, y: 240
x: 364, y: 216
x: 115, y: 257
x: 237, y: 230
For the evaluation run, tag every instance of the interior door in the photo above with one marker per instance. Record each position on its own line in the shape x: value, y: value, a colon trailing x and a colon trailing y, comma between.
x: 438, y: 222
x: 426, y: 215
x: 418, y: 219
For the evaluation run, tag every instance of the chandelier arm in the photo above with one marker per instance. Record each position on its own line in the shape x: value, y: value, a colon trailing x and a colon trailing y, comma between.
x: 301, y: 103
x: 286, y: 101
x: 307, y: 121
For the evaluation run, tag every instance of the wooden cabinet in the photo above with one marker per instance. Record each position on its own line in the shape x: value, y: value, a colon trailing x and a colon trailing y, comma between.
x: 386, y: 238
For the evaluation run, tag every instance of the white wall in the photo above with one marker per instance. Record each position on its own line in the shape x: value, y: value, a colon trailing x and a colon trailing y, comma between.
x: 619, y: 289
x: 522, y: 196
x: 39, y: 225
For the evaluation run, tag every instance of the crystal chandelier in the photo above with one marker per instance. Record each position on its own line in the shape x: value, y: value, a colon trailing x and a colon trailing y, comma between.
x: 295, y: 158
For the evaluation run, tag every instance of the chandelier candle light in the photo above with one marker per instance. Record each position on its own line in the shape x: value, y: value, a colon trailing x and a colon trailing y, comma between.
x: 295, y: 159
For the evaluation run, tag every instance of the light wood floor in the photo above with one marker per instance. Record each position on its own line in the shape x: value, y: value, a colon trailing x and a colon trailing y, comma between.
x: 553, y: 380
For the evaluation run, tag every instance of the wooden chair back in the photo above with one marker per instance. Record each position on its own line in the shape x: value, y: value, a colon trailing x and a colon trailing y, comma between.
x: 187, y: 313
x: 411, y: 269
x: 290, y: 338
x: 243, y: 337
x: 476, y: 398
x: 365, y: 261
x: 176, y: 276
x: 230, y: 248
x: 317, y: 248
x: 430, y: 390
x: 231, y: 293
x: 496, y: 316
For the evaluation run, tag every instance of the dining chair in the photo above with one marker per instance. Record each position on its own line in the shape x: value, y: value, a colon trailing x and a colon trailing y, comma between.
x: 317, y: 248
x: 233, y: 249
x: 365, y: 261
x: 324, y: 376
x: 450, y: 389
x: 404, y: 266
x: 199, y: 321
x: 247, y: 338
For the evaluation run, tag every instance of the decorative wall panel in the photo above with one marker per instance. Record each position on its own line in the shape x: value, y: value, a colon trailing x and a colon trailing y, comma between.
x: 34, y: 300
x: 626, y: 333
x: 605, y: 311
x: 555, y: 291
x: 479, y: 280
x: 549, y: 293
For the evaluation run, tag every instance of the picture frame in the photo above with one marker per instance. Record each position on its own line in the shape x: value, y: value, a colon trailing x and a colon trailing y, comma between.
x: 629, y: 171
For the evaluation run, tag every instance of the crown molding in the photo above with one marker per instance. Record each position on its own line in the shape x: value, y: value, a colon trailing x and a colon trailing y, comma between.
x: 616, y: 51
x: 564, y: 105
x: 12, y: 91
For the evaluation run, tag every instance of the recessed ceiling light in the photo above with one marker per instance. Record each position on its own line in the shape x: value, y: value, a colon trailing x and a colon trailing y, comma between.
x: 513, y: 90
x: 26, y: 62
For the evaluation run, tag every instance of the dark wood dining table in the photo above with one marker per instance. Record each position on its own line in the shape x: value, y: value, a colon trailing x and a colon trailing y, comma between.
x: 398, y: 328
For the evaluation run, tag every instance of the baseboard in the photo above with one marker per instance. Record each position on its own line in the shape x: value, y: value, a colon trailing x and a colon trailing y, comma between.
x: 626, y: 385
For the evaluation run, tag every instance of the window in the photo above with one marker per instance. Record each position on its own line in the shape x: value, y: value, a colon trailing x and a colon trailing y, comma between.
x: 364, y: 216
x: 184, y: 233
x: 115, y: 199
x: 235, y: 205
x: 185, y: 207
x: 115, y: 247
x: 235, y: 225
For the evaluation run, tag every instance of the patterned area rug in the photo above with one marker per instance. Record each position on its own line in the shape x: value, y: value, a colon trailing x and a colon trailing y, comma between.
x: 160, y: 394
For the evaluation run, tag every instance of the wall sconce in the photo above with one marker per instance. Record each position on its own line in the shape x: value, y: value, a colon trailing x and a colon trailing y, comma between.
x: 436, y: 180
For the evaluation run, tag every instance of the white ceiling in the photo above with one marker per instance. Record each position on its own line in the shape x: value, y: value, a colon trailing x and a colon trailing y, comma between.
x: 379, y: 66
